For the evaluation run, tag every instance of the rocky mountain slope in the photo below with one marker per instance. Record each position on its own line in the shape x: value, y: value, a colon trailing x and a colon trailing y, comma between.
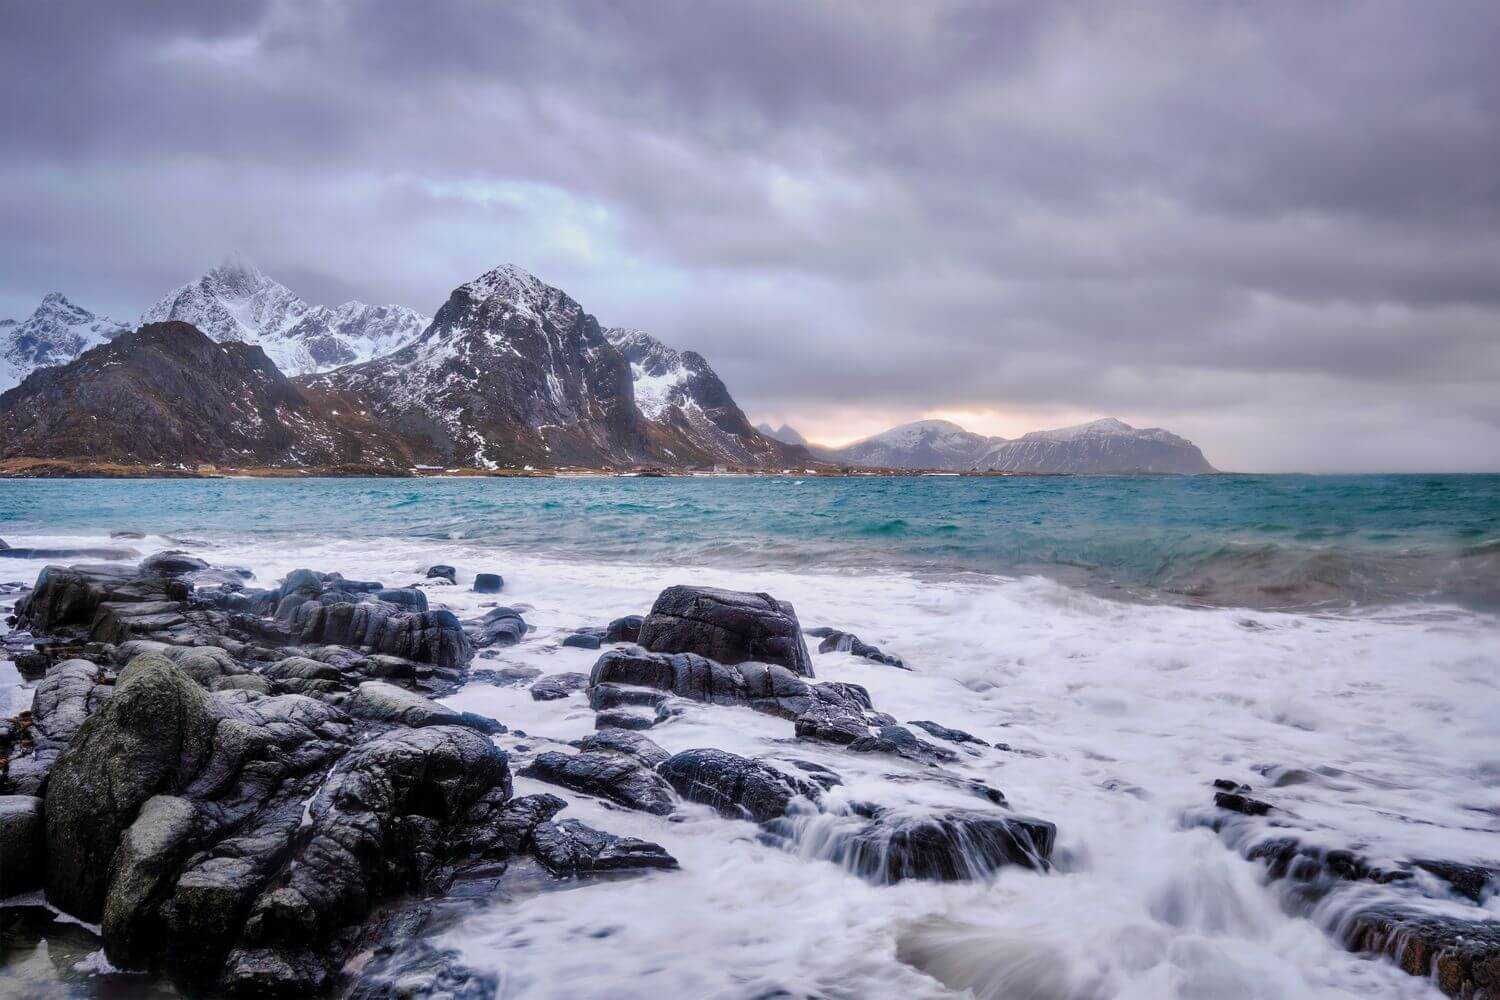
x: 236, y: 302
x: 786, y: 433
x: 168, y: 395
x: 925, y: 444
x: 1100, y: 447
x: 56, y: 333
x: 513, y: 372
x: 691, y: 411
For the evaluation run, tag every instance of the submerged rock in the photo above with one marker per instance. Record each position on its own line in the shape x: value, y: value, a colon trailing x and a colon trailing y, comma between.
x: 835, y: 641
x: 727, y: 626
x: 488, y: 583
x: 441, y: 572
x: 945, y: 733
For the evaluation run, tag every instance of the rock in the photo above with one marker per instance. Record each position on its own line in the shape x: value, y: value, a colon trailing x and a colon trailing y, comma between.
x: 735, y: 786
x: 406, y: 598
x: 1474, y: 882
x: 574, y: 848
x: 441, y: 572
x: 515, y: 824
x: 392, y: 811
x: 1461, y: 957
x: 505, y: 676
x: 499, y: 627
x: 630, y: 744
x: 835, y: 641
x: 627, y: 629
x: 553, y: 687
x: 71, y: 596
x: 154, y: 732
x: 945, y: 733
x: 828, y: 723
x: 65, y: 698
x: 377, y: 701
x: 959, y: 845
x: 1236, y: 802
x: 903, y: 742
x: 606, y: 775
x: 582, y: 640
x: 129, y: 535
x: 606, y: 696
x: 171, y: 563
x: 23, y: 849
x: 622, y: 718
x: 434, y: 637
x: 488, y: 583
x: 726, y: 626
x: 763, y: 687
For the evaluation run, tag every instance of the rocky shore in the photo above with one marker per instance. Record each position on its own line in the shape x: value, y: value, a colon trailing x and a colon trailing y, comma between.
x: 257, y: 790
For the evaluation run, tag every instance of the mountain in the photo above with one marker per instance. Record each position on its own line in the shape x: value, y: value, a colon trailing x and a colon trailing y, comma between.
x: 925, y: 444
x: 1100, y: 447
x: 236, y: 302
x: 691, y: 411
x: 56, y: 333
x: 786, y: 433
x: 168, y: 395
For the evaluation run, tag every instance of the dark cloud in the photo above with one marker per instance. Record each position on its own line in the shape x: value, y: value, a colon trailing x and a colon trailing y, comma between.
x: 1262, y: 225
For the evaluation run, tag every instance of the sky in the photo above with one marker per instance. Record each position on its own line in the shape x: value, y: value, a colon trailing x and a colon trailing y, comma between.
x: 1273, y: 228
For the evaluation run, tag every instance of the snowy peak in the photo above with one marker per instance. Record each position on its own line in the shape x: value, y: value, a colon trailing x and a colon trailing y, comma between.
x: 56, y: 333
x: 236, y: 301
x: 1100, y: 447
x: 924, y: 444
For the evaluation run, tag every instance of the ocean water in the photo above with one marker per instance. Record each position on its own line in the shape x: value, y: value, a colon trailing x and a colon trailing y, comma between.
x: 1333, y: 642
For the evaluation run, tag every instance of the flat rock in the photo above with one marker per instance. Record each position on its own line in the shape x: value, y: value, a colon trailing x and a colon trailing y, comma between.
x: 609, y: 776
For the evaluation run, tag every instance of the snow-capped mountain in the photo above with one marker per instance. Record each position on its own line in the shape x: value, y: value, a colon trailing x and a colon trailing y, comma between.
x: 693, y: 413
x: 786, y: 433
x: 56, y: 333
x: 925, y: 444
x: 1106, y: 446
x: 236, y: 302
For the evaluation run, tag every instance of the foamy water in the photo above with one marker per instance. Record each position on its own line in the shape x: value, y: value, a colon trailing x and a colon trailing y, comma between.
x: 1120, y: 716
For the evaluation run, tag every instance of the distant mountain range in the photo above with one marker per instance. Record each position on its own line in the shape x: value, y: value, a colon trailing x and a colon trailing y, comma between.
x: 234, y: 369
x: 56, y: 333
x: 1106, y: 446
x: 236, y: 302
x: 511, y: 372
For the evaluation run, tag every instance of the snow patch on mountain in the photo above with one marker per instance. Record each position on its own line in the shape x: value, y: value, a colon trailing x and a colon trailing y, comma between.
x: 1107, y: 446
x: 56, y: 333
x: 924, y: 444
x: 237, y: 302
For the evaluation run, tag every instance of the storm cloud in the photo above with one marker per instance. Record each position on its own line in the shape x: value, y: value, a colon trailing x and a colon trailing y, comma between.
x: 1274, y: 228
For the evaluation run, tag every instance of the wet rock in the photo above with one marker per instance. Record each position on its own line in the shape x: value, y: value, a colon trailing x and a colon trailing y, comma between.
x: 514, y: 825
x: 554, y: 687
x: 630, y: 744
x: 71, y: 596
x: 607, y: 775
x: 377, y: 701
x: 845, y: 642
x: 71, y: 691
x: 606, y: 696
x: 406, y: 598
x: 488, y: 583
x: 101, y: 552
x: 434, y: 637
x: 830, y: 723
x: 22, y: 847
x: 1474, y: 882
x: 726, y: 626
x: 574, y: 848
x: 825, y: 777
x: 1461, y: 957
x: 626, y: 629
x: 120, y: 622
x: 1229, y: 785
x: 441, y: 572
x: 171, y: 563
x: 582, y: 640
x: 154, y: 732
x: 507, y: 676
x: 735, y: 786
x: 393, y: 810
x: 1236, y: 802
x: 960, y: 845
x: 945, y: 733
x: 498, y: 627
x: 763, y: 687
x: 624, y: 718
x: 904, y: 743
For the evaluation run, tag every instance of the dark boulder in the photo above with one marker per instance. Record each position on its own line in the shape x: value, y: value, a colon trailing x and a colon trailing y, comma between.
x: 1235, y: 802
x: 763, y: 687
x: 171, y: 563
x: 624, y: 718
x: 71, y: 596
x: 488, y: 583
x: 434, y: 637
x: 498, y: 627
x: 70, y: 692
x: 441, y: 572
x: 844, y: 642
x: 603, y: 697
x: 23, y: 848
x: 582, y: 640
x: 391, y: 813
x: 825, y: 722
x: 406, y: 598
x: 507, y: 676
x: 574, y: 848
x: 735, y: 786
x: 630, y: 744
x: 945, y: 733
x: 627, y: 629
x: 607, y: 775
x: 903, y: 742
x: 727, y: 626
x: 377, y: 701
x: 554, y: 687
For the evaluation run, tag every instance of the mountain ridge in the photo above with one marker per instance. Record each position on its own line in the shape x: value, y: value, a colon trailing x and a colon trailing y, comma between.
x: 55, y: 333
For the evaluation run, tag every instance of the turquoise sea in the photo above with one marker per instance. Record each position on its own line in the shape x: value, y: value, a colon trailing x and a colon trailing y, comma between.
x: 1282, y: 541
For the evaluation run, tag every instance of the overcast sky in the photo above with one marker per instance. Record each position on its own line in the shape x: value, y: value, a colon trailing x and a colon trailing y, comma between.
x: 1274, y: 229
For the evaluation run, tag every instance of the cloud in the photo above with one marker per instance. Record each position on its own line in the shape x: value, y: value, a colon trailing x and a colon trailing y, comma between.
x: 1268, y: 227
